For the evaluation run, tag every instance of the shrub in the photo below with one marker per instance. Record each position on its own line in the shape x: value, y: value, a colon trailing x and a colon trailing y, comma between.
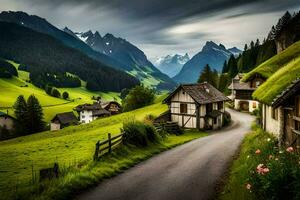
x: 138, y: 133
x: 226, y: 118
x: 55, y: 93
x: 149, y: 119
x: 138, y: 97
x: 65, y: 95
x: 273, y: 173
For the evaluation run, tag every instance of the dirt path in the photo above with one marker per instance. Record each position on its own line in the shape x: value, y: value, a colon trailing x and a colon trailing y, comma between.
x: 189, y: 171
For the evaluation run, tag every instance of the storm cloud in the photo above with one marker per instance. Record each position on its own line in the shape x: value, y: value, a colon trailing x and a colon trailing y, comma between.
x: 161, y: 27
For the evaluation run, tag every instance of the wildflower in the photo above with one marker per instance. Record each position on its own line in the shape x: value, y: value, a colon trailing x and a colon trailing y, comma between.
x: 248, y: 156
x: 290, y: 149
x: 257, y: 151
x: 270, y: 157
x: 262, y: 169
x: 269, y: 139
x: 280, y: 151
x: 248, y: 186
x: 276, y: 159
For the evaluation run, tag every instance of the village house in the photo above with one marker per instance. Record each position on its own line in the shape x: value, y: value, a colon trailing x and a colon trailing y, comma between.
x: 198, y: 106
x: 62, y: 120
x: 6, y: 121
x: 282, y: 116
x: 89, y: 112
x: 241, y: 92
x: 112, y: 106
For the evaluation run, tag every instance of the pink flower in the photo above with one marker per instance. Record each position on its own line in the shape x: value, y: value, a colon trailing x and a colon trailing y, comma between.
x: 290, y: 149
x: 257, y: 151
x: 262, y: 169
x: 248, y: 186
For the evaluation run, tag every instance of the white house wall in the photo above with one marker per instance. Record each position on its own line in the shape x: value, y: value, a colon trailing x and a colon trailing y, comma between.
x: 272, y: 125
x: 251, y: 104
x: 86, y: 116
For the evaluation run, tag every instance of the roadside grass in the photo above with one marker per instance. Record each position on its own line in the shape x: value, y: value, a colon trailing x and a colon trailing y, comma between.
x: 67, y: 146
x: 82, y: 176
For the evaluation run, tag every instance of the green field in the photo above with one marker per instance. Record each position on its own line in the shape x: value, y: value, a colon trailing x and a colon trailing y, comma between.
x: 65, y: 146
x: 10, y: 89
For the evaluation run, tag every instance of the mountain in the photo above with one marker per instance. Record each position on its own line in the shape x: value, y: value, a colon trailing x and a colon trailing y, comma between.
x: 171, y: 64
x: 235, y: 51
x: 133, y: 59
x: 42, y: 25
x: 211, y: 54
x: 50, y: 62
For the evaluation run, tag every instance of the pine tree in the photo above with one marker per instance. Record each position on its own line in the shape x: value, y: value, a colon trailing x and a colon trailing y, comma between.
x: 65, y: 95
x: 225, y: 67
x: 272, y: 34
x: 209, y: 76
x: 20, y: 108
x: 232, y: 66
x: 224, y: 82
x: 34, y: 115
x: 245, y: 47
x: 251, y: 45
x: 257, y: 43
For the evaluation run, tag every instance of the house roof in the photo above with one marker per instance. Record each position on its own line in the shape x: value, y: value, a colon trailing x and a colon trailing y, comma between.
x: 294, y: 88
x: 100, y: 112
x: 65, y: 118
x: 202, y: 93
x: 94, y: 106
x: 107, y: 103
x: 238, y: 85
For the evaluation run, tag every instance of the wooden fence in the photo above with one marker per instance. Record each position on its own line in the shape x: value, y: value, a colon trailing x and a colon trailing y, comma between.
x: 106, y: 146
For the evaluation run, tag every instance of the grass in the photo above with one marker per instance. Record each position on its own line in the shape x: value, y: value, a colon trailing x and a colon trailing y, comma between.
x: 235, y: 189
x: 278, y: 82
x: 65, y: 146
x: 10, y: 89
x: 278, y: 61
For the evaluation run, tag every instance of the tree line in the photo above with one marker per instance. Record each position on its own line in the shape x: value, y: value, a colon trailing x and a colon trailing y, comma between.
x: 7, y: 70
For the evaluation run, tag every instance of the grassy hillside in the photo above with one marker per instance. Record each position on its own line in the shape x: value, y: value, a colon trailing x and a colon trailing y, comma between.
x: 67, y: 146
x: 10, y: 89
x: 270, y: 66
x: 278, y: 82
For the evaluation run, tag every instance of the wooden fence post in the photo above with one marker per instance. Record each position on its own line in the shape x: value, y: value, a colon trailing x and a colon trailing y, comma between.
x: 96, y: 155
x: 109, y: 143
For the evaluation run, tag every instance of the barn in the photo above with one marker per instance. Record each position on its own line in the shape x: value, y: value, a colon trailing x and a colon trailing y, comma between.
x: 199, y: 106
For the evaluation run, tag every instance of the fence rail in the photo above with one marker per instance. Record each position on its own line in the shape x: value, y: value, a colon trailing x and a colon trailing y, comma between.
x: 107, y: 146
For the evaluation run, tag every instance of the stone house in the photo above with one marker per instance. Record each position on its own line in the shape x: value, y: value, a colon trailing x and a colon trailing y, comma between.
x: 198, y: 106
x: 6, y: 121
x: 90, y: 112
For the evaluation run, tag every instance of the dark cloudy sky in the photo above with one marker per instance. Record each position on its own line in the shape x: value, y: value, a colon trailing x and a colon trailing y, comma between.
x: 162, y: 27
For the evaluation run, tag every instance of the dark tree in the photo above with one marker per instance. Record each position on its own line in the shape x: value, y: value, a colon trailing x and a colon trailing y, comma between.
x: 20, y: 108
x: 138, y: 97
x: 56, y: 93
x: 257, y: 43
x: 48, y: 90
x: 208, y: 75
x: 7, y: 70
x: 65, y: 95
x: 245, y: 47
x: 232, y: 66
x: 225, y: 67
x: 124, y: 93
x: 34, y: 115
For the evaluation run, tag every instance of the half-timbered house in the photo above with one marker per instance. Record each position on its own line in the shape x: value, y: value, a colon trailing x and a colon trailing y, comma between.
x: 198, y: 106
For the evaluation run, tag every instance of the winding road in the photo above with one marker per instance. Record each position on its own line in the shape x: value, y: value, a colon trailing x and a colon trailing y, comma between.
x: 187, y: 172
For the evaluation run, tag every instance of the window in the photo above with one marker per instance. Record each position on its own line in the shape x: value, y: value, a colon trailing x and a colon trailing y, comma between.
x: 275, y: 113
x: 257, y: 83
x: 297, y: 125
x: 83, y: 121
x: 209, y: 108
x: 215, y: 120
x: 83, y: 116
x: 254, y: 105
x: 183, y: 108
x: 220, y: 105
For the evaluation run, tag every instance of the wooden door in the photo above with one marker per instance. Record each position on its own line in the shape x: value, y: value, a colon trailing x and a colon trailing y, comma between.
x: 289, y: 138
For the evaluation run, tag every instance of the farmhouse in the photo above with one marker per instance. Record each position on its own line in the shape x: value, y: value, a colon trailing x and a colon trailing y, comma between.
x: 62, y: 120
x: 90, y: 112
x: 112, y: 106
x: 198, y: 106
x: 241, y: 92
x: 6, y: 121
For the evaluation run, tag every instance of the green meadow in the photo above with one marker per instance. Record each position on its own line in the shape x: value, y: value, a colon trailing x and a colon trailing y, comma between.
x: 12, y: 88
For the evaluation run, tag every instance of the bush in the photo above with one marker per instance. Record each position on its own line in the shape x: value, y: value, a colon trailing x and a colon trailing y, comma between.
x: 273, y: 173
x: 226, y: 118
x: 139, y: 134
x: 149, y: 119
x: 65, y: 95
x: 138, y: 97
x: 55, y: 93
